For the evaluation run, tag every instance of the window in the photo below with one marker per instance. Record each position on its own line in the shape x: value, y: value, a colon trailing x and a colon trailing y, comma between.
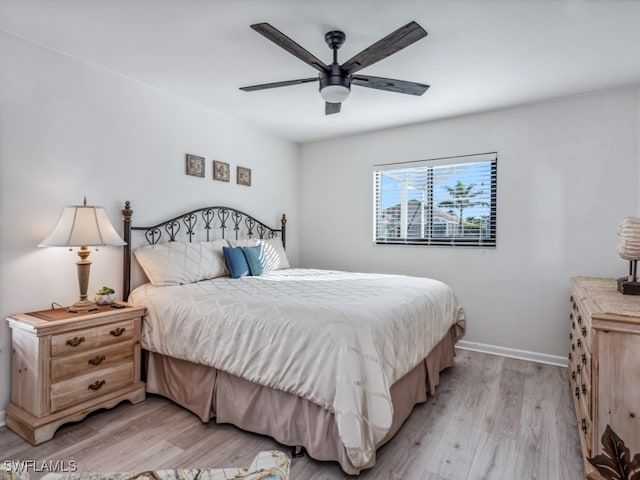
x: 446, y: 201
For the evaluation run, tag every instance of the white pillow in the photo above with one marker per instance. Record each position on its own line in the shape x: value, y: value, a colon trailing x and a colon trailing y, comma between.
x: 177, y: 263
x: 272, y: 249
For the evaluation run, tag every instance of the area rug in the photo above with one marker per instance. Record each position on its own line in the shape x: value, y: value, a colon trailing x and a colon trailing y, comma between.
x: 267, y: 465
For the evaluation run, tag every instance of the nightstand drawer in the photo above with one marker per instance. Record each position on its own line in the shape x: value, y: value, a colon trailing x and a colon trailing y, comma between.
x: 80, y: 340
x: 92, y: 384
x: 69, y: 366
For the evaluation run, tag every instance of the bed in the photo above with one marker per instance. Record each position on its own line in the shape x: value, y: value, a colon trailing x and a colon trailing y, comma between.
x: 327, y: 360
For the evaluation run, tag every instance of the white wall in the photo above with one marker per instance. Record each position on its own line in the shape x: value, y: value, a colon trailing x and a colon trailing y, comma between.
x: 567, y: 174
x: 68, y: 129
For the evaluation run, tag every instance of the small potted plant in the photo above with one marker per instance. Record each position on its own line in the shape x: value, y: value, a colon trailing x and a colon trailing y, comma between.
x: 105, y: 296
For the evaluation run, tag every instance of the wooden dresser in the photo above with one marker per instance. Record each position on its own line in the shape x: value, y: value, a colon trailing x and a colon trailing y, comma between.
x: 604, y: 364
x: 65, y: 365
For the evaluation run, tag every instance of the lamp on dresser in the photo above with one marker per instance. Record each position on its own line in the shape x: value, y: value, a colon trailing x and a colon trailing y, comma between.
x: 629, y: 249
x: 83, y: 226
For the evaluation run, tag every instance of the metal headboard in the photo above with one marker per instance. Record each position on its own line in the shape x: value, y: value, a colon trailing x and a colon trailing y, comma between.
x: 200, y: 224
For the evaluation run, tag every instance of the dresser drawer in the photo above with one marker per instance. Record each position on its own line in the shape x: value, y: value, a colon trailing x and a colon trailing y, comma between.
x: 585, y: 367
x: 80, y: 340
x: 93, y: 384
x: 573, y: 375
x: 585, y: 397
x: 68, y: 366
x: 583, y: 330
x: 584, y: 426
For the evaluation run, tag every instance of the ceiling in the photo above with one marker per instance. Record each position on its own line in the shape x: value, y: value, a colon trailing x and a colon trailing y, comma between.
x: 479, y: 54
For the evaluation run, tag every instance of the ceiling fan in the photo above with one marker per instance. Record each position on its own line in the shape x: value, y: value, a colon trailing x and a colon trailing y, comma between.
x: 335, y: 80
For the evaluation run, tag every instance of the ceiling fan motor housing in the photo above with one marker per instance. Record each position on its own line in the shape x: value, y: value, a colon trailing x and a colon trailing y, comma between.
x: 335, y: 77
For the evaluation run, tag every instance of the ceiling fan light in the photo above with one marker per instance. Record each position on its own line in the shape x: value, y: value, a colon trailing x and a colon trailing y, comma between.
x: 335, y: 93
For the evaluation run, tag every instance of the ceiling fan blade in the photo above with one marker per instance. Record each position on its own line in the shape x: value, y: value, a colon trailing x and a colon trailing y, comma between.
x: 389, y: 84
x: 392, y: 43
x: 331, y: 108
x: 280, y: 39
x: 287, y: 83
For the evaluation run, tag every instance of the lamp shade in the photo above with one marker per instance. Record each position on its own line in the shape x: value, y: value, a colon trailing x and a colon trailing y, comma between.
x: 83, y: 225
x: 629, y: 238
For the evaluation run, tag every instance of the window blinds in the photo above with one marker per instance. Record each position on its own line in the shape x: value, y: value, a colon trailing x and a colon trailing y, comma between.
x: 445, y: 201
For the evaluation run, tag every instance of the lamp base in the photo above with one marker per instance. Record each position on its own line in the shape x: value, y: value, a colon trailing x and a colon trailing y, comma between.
x: 628, y: 288
x: 82, y: 306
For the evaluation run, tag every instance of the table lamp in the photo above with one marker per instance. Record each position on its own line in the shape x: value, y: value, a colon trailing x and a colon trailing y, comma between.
x: 83, y: 226
x: 629, y: 249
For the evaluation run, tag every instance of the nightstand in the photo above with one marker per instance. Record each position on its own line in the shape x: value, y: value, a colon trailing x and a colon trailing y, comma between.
x: 66, y: 365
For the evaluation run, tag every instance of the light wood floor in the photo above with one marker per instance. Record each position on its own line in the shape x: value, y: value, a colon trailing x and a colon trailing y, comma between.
x: 491, y: 418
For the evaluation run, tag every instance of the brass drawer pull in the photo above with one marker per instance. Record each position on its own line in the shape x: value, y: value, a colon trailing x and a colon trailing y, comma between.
x: 117, y: 332
x: 75, y: 341
x: 97, y: 360
x: 96, y: 385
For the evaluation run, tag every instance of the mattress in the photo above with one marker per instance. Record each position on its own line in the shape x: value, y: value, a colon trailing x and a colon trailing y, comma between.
x: 337, y: 339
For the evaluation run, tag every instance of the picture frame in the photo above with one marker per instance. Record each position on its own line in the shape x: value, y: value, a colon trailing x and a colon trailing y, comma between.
x: 221, y: 171
x: 195, y: 165
x: 243, y: 175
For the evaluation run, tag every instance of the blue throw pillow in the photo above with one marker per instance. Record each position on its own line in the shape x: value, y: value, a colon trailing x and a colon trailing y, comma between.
x: 236, y: 262
x: 255, y: 259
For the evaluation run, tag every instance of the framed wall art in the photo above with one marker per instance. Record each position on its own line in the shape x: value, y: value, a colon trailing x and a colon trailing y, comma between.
x: 244, y: 176
x: 195, y: 165
x: 221, y: 171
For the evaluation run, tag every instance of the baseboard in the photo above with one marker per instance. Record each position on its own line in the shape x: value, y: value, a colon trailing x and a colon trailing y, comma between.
x: 2, y: 419
x: 513, y: 353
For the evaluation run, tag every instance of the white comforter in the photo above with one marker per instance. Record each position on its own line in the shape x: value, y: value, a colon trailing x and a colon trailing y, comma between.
x: 338, y: 339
